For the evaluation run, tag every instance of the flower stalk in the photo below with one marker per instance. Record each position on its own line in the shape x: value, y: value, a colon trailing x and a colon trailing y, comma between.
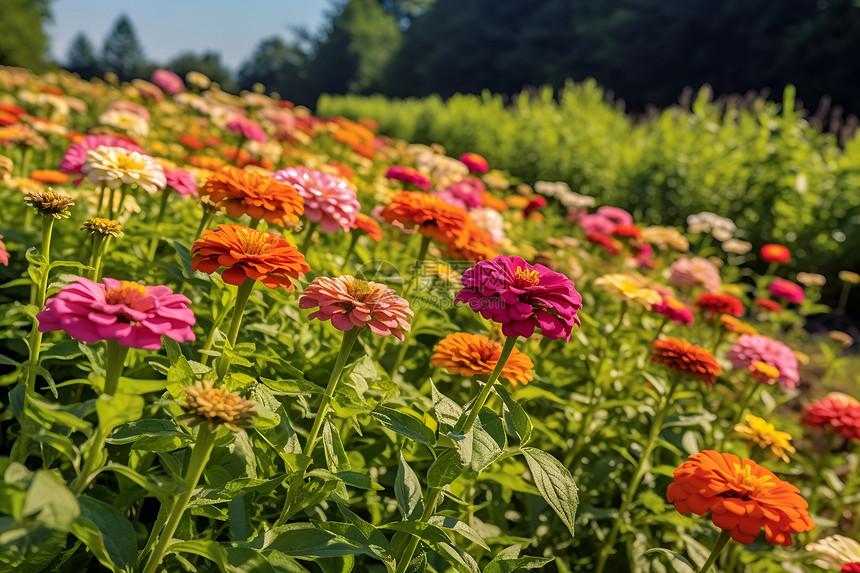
x: 722, y: 541
x: 242, y: 294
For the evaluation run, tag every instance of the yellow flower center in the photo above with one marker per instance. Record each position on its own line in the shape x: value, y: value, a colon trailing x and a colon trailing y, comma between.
x: 755, y: 485
x: 126, y: 292
x: 530, y: 277
x: 129, y: 162
x: 360, y: 289
x: 253, y: 241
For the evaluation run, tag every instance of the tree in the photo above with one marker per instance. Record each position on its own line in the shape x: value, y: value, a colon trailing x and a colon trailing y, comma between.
x: 209, y: 63
x: 281, y: 67
x: 23, y: 41
x: 81, y: 57
x: 122, y: 54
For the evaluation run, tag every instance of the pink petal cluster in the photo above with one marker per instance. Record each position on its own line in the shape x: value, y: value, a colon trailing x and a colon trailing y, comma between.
x: 751, y: 348
x: 674, y: 310
x: 476, y: 163
x: 522, y: 297
x: 76, y: 154
x: 350, y: 303
x: 247, y: 128
x: 792, y: 292
x: 168, y: 81
x: 604, y: 220
x: 131, y: 107
x: 329, y: 200
x: 695, y: 272
x: 181, y: 180
x: 4, y: 254
x: 836, y: 411
x: 132, y: 314
x: 468, y: 193
x: 408, y: 174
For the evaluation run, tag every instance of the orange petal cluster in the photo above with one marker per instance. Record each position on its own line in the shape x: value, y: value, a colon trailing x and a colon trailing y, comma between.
x: 474, y: 355
x: 742, y: 496
x: 248, y: 253
x: 681, y: 356
x: 432, y: 216
x: 259, y: 196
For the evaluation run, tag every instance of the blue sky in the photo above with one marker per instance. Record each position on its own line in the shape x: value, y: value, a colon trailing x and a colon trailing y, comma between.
x: 166, y: 28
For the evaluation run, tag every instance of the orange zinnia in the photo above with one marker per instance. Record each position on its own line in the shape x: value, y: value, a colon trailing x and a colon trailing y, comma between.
x: 474, y: 355
x: 681, y: 356
x: 742, y: 497
x: 248, y: 253
x: 259, y: 196
x: 477, y: 245
x: 434, y: 217
x: 49, y: 176
x: 735, y: 326
x: 368, y: 226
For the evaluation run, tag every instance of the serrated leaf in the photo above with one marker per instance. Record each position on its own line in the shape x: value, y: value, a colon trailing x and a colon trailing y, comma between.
x: 407, y: 490
x: 555, y: 484
x: 405, y: 425
x: 445, y: 469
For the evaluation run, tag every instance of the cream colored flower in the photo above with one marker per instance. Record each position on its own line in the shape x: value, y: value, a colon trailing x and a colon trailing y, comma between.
x: 835, y: 551
x: 849, y: 277
x: 665, y: 238
x: 130, y: 123
x: 115, y: 166
x: 736, y: 246
x: 705, y: 222
x: 629, y: 289
x: 811, y: 279
x: 198, y: 80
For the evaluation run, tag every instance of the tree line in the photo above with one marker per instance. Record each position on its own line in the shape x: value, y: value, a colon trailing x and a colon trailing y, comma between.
x: 643, y: 51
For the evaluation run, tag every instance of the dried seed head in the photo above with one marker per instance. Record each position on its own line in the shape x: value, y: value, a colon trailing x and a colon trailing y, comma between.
x: 103, y: 227
x: 204, y: 403
x: 50, y: 203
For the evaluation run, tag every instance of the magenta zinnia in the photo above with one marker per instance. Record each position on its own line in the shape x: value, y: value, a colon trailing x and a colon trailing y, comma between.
x: 329, y: 200
x: 350, y: 302
x: 751, y: 348
x: 792, y: 292
x: 133, y: 314
x: 522, y: 297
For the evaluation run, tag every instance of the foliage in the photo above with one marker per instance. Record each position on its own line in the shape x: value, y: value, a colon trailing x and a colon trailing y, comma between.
x: 23, y: 41
x: 122, y: 53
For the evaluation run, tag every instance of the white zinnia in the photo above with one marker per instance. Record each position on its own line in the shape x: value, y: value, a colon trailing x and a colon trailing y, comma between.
x: 115, y: 166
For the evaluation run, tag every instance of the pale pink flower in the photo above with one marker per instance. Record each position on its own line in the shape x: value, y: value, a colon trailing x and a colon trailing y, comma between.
x: 247, y: 128
x: 329, y: 200
x: 695, y: 272
x: 168, y: 81
x: 751, y: 348
x: 181, y: 180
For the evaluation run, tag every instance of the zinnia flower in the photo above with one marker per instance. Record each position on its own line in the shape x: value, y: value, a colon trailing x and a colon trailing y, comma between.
x: 370, y: 227
x: 713, y: 304
x: 49, y: 176
x: 783, y: 288
x: 750, y: 348
x: 836, y: 411
x: 349, y: 302
x: 522, y: 297
x: 247, y: 128
x: 720, y: 228
x: 695, y: 272
x: 408, y: 174
x: 742, y: 496
x: 758, y: 432
x: 686, y: 358
x: 476, y: 355
x: 182, y: 181
x: 768, y: 305
x: 626, y: 288
x: 849, y: 277
x: 665, y: 238
x: 674, y: 310
x: 114, y: 166
x: 76, y: 154
x: 836, y: 552
x: 50, y: 203
x: 735, y: 326
x: 103, y: 227
x: 433, y: 217
x: 811, y: 279
x: 126, y: 121
x: 4, y: 254
x: 133, y: 314
x: 259, y: 196
x: 329, y: 200
x: 168, y: 81
x: 216, y: 407
x: 773, y: 253
x: 609, y: 245
x: 475, y: 162
x: 248, y: 253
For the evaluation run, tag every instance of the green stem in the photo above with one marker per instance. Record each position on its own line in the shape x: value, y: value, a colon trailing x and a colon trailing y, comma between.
x: 722, y: 540
x: 111, y: 203
x: 210, y: 338
x: 114, y: 364
x: 309, y: 235
x: 463, y: 426
x: 199, y: 456
x: 101, y: 200
x: 94, y: 460
x: 242, y: 294
x: 353, y: 241
x: 621, y: 314
x: 641, y: 469
x: 419, y: 262
x: 153, y: 246
x: 430, y: 501
x: 98, y: 257
x: 204, y: 222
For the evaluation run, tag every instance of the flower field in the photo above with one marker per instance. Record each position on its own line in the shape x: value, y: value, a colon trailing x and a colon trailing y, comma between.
x: 238, y: 337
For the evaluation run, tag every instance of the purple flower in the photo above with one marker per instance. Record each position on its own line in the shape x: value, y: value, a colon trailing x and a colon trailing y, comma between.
x: 132, y: 314
x: 329, y: 200
x: 522, y: 297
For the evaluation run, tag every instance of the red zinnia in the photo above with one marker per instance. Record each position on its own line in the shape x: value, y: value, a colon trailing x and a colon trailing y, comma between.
x: 836, y: 411
x: 475, y: 162
x: 768, y: 305
x: 773, y: 253
x: 713, y: 304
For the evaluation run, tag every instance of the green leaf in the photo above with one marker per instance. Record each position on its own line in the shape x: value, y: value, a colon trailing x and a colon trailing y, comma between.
x: 516, y: 415
x: 445, y: 469
x: 107, y: 533
x: 484, y: 443
x: 113, y: 411
x: 555, y: 484
x: 446, y: 411
x: 133, y: 431
x: 211, y: 550
x: 335, y: 456
x: 405, y: 425
x: 680, y: 563
x: 51, y: 500
x: 407, y: 490
x: 454, y: 524
x: 358, y: 481
x: 295, y: 386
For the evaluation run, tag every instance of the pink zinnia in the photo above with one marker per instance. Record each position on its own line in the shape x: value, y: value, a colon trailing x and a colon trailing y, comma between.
x: 247, y: 128
x: 468, y: 193
x: 475, y: 162
x: 836, y: 411
x: 131, y: 107
x: 408, y: 174
x: 695, y: 272
x: 168, y: 81
x: 76, y: 154
x: 329, y: 200
x: 521, y: 297
x: 4, y: 254
x: 792, y: 292
x: 181, y: 180
x: 674, y: 310
x: 132, y: 314
x: 751, y: 348
x: 350, y: 303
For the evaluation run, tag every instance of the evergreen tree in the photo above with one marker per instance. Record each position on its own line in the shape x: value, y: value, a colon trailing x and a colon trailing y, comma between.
x: 81, y: 57
x: 122, y: 54
x: 23, y: 41
x: 209, y: 63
